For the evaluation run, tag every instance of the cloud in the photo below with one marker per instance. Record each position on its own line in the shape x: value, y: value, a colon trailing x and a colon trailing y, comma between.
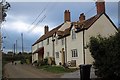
x: 21, y: 15
x: 18, y: 25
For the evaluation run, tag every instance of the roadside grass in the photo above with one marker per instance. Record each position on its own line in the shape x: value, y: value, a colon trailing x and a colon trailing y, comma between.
x: 56, y: 69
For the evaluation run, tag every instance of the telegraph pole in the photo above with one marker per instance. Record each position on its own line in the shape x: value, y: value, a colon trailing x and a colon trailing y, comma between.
x: 22, y: 42
x: 16, y: 46
x: 14, y: 49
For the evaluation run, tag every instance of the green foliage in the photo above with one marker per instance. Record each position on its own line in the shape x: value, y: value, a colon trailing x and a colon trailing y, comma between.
x: 17, y: 57
x: 106, y: 52
x: 45, y: 61
x: 41, y: 62
x: 56, y: 69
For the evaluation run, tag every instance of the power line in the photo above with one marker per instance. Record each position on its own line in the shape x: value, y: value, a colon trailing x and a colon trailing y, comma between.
x: 38, y: 17
x: 41, y: 19
x: 90, y: 10
x: 38, y: 23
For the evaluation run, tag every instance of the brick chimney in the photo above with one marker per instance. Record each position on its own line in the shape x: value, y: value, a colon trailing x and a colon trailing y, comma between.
x: 82, y: 17
x: 46, y: 29
x: 66, y: 16
x: 100, y: 5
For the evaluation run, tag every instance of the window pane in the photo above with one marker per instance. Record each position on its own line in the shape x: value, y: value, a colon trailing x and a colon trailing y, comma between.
x: 57, y: 54
x: 74, y: 53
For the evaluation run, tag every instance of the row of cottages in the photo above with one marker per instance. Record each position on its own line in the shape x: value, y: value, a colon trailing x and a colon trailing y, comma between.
x: 67, y: 43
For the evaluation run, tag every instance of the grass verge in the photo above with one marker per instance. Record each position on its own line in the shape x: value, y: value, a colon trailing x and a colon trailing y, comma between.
x: 56, y: 69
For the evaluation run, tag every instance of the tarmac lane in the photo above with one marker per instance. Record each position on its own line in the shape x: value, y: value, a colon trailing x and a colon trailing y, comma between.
x: 26, y: 71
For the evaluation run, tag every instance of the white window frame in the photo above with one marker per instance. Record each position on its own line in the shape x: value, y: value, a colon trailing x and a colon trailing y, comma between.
x: 74, y: 53
x: 57, y: 54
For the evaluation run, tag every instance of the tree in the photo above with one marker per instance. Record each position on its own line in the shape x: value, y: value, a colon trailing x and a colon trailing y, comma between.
x: 106, y: 53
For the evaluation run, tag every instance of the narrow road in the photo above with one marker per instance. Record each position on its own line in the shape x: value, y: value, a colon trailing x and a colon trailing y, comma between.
x: 26, y: 71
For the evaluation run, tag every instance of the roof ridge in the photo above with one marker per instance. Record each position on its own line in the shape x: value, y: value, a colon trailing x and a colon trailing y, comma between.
x: 44, y: 36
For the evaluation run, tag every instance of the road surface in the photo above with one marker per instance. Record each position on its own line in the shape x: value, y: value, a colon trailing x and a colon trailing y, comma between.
x: 26, y: 71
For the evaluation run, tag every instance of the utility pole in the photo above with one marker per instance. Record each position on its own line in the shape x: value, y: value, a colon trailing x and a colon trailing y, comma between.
x: 16, y: 46
x: 22, y: 42
x: 14, y: 49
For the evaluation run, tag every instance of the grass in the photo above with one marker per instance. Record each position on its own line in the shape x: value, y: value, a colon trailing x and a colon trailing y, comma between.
x: 56, y: 69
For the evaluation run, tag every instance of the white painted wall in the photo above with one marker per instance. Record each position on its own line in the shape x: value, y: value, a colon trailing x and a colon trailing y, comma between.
x: 34, y: 48
x: 34, y: 56
x: 58, y: 48
x: 103, y: 27
x: 48, y: 48
x: 75, y: 44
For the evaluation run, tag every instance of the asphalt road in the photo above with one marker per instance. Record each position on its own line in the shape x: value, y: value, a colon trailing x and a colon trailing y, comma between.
x: 26, y: 71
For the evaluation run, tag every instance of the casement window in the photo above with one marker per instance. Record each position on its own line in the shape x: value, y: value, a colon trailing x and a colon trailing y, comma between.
x: 57, y: 54
x: 62, y: 41
x: 48, y: 54
x: 74, y: 53
x: 73, y: 34
x: 47, y: 41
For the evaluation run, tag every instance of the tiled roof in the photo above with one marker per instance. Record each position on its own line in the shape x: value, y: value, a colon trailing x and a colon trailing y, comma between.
x: 47, y: 35
x: 39, y: 50
x: 86, y: 24
x: 78, y: 25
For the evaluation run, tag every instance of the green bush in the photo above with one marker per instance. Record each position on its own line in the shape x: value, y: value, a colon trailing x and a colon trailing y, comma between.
x: 106, y: 53
x: 56, y: 69
x: 23, y: 61
x: 45, y: 61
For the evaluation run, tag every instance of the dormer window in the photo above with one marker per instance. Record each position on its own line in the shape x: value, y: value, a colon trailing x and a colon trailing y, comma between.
x: 73, y: 34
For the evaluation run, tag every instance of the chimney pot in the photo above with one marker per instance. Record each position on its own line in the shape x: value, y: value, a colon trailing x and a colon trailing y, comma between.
x: 46, y: 29
x: 100, y: 5
x: 67, y: 15
x: 82, y: 17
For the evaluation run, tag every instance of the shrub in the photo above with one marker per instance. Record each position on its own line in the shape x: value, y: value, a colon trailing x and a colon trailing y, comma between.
x: 106, y: 53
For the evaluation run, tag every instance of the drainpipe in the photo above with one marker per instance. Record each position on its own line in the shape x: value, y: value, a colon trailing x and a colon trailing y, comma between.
x: 84, y: 45
x: 53, y: 40
x: 65, y: 50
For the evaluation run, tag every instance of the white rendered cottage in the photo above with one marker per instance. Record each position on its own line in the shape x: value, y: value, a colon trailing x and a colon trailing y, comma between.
x: 65, y: 42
